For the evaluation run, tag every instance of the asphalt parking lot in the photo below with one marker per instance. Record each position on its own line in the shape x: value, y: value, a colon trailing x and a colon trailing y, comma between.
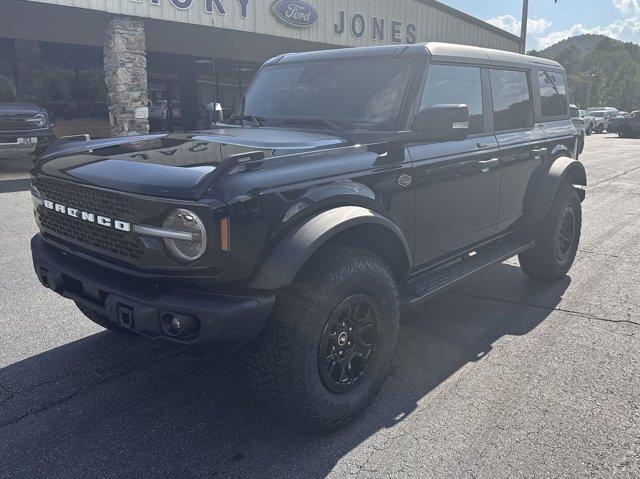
x: 500, y: 377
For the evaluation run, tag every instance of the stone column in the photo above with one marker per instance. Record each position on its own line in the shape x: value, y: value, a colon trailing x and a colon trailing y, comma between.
x: 125, y: 76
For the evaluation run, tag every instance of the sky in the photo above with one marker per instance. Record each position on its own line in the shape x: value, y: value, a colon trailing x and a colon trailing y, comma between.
x: 551, y: 22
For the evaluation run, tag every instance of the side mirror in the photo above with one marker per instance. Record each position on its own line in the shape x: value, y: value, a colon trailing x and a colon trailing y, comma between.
x: 442, y: 123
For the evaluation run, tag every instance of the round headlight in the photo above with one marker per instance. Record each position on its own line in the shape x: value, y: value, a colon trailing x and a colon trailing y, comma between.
x: 40, y: 120
x: 190, y: 248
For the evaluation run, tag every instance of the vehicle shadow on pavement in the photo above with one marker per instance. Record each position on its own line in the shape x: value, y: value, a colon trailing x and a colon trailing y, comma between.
x: 114, y: 405
x: 12, y: 186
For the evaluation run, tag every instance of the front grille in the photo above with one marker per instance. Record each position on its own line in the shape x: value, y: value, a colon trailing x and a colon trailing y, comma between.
x: 108, y: 241
x: 16, y: 122
x: 98, y: 237
x: 95, y: 201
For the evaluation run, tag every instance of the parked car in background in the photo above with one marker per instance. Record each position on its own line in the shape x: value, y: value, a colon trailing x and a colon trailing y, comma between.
x: 602, y: 108
x: 626, y: 126
x: 602, y: 118
x: 579, y: 123
x: 589, y: 122
x: 25, y: 128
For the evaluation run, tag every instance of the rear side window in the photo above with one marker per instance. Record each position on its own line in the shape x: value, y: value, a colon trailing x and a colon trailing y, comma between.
x: 448, y: 84
x: 512, y: 106
x: 553, y: 93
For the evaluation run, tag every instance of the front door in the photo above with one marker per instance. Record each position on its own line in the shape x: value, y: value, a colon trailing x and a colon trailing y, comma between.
x: 456, y: 182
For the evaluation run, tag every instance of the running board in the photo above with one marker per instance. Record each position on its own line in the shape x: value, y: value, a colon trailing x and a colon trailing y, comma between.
x: 427, y: 284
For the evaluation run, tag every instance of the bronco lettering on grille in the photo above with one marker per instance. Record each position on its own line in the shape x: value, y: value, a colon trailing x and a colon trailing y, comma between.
x: 87, y: 216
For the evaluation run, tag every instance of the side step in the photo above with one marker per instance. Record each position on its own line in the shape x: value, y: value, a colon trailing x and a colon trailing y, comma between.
x: 427, y: 284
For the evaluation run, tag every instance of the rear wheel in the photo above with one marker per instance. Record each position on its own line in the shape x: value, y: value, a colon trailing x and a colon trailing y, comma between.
x: 580, y: 144
x: 624, y: 132
x: 330, y: 342
x: 100, y: 320
x: 557, y: 238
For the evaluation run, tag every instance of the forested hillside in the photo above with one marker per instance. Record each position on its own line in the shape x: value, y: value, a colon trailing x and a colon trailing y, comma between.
x: 602, y: 71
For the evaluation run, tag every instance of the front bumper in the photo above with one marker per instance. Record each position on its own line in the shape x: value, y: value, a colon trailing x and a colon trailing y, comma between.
x: 21, y: 142
x: 225, y: 321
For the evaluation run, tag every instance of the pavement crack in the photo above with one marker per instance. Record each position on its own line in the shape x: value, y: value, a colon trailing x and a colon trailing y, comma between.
x: 69, y: 397
x: 548, y: 308
x: 609, y: 179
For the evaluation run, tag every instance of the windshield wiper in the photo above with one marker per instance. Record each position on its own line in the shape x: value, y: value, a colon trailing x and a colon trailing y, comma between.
x: 258, y: 120
x: 310, y: 120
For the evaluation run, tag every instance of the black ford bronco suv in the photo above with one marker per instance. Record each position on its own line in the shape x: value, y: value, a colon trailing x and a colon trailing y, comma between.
x: 25, y: 127
x: 350, y: 185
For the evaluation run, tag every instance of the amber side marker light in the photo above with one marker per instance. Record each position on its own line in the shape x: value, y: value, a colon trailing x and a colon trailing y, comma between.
x: 224, y: 235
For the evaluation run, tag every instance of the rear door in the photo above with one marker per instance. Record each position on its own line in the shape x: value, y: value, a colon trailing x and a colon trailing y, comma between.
x: 522, y: 141
x: 456, y: 182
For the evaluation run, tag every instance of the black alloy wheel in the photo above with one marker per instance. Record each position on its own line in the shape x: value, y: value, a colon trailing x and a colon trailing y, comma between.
x: 566, y: 233
x: 348, y: 343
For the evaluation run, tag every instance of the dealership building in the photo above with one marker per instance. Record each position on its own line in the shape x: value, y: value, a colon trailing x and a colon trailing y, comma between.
x: 111, y: 67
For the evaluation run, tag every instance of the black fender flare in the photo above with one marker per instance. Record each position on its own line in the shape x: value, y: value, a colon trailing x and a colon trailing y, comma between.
x: 562, y: 170
x: 298, y: 245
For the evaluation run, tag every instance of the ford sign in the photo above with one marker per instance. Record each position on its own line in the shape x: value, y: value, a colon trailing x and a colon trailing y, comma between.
x: 294, y: 13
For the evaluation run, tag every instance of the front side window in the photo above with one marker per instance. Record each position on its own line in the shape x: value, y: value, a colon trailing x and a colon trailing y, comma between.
x: 364, y: 95
x: 512, y: 106
x: 553, y: 93
x: 448, y: 84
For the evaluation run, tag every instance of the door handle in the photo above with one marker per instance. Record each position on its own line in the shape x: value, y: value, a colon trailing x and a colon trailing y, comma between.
x: 487, y: 164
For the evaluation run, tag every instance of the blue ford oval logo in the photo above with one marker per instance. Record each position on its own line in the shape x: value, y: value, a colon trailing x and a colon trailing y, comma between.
x: 294, y: 13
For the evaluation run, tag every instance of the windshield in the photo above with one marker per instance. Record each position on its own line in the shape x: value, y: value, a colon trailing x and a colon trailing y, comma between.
x: 6, y: 91
x: 597, y: 114
x: 336, y: 94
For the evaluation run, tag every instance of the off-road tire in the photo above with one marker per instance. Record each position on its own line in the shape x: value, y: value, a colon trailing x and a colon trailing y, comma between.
x: 581, y: 141
x: 100, y: 320
x: 543, y: 261
x: 283, y: 364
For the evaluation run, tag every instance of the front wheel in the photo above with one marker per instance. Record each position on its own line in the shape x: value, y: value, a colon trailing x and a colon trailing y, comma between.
x: 557, y: 238
x: 330, y: 342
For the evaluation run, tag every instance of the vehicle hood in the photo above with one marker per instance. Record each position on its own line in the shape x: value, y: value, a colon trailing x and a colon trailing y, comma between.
x: 180, y: 166
x: 19, y: 107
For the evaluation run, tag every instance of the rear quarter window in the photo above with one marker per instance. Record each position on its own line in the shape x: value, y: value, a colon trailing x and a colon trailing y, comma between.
x: 553, y: 93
